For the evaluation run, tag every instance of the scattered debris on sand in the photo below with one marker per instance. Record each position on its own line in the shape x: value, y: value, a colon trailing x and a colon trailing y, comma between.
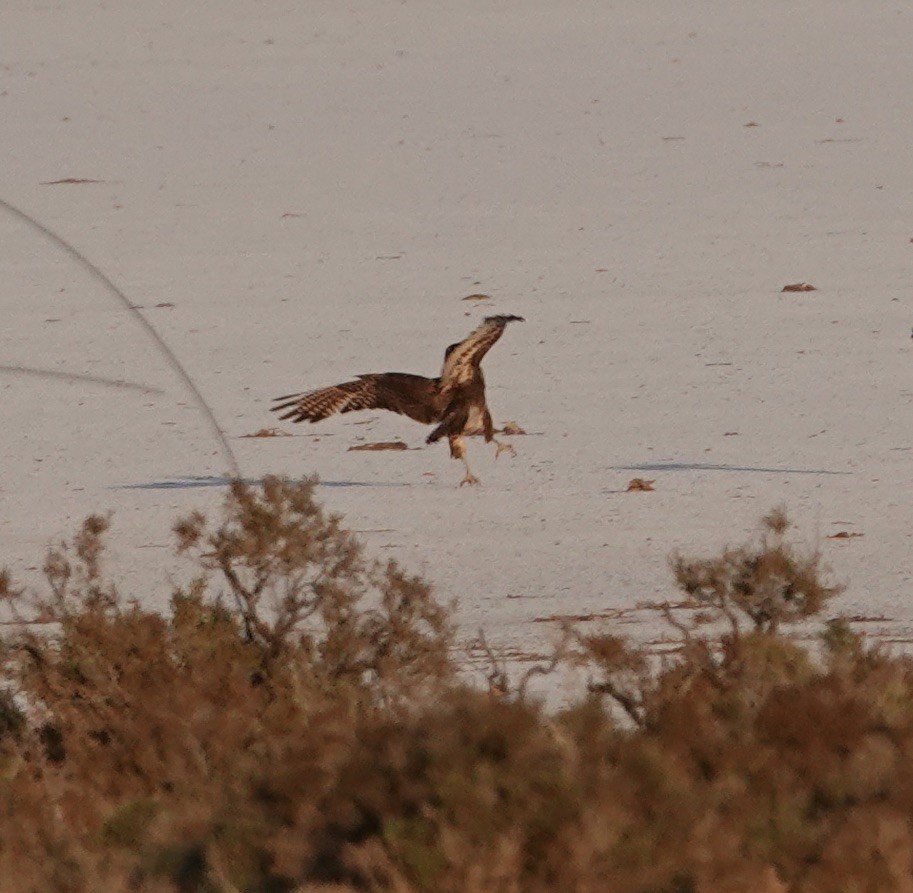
x: 511, y: 428
x: 268, y: 432
x: 379, y: 445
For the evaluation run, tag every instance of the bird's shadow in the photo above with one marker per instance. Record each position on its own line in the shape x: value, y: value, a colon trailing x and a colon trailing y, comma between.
x: 714, y: 466
x: 193, y: 482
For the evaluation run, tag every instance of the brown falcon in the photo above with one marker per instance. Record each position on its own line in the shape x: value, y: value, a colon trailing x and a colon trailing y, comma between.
x: 454, y: 401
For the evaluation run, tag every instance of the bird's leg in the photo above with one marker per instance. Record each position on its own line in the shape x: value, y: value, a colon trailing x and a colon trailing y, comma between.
x: 488, y: 429
x: 470, y: 478
x: 458, y: 451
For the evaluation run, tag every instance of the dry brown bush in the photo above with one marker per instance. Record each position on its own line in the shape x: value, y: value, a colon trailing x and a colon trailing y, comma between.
x: 296, y: 721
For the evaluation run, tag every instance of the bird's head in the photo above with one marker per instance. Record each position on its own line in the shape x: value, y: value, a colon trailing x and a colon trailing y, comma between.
x: 499, y: 321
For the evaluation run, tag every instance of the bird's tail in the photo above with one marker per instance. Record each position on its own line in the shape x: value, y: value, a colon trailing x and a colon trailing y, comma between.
x: 453, y: 424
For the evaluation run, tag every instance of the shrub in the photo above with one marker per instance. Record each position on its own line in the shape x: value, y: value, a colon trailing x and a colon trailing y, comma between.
x: 298, y: 721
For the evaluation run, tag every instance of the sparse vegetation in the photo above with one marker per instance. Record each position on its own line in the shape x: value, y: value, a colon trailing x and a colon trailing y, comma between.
x: 298, y: 721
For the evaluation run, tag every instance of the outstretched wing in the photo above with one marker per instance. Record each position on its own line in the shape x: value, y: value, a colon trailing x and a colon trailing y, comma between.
x: 409, y: 395
x: 461, y: 358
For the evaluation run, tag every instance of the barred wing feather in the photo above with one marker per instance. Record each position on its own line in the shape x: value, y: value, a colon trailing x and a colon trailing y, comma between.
x: 410, y: 395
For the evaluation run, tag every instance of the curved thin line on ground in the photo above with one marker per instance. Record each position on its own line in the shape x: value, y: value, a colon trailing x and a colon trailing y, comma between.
x: 160, y: 343
x: 75, y: 376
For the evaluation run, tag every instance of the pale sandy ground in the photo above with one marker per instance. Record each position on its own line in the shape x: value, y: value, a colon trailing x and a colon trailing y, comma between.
x: 315, y: 186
